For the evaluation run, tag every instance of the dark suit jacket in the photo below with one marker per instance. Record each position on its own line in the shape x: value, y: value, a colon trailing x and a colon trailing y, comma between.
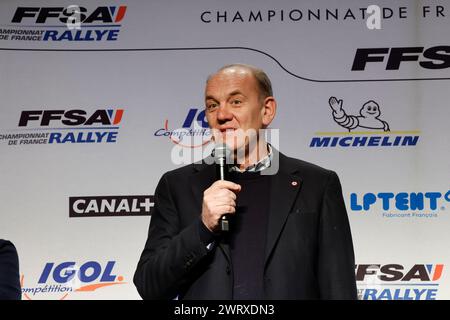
x: 9, y: 272
x: 309, y: 250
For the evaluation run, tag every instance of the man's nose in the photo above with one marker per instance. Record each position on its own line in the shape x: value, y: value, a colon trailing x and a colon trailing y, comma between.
x: 224, y: 114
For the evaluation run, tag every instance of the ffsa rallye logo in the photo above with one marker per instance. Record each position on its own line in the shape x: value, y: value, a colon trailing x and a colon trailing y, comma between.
x: 82, y: 24
x: 398, y: 282
x: 66, y: 126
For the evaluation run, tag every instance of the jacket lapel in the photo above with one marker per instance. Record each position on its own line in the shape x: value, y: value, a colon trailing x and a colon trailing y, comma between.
x: 284, y: 188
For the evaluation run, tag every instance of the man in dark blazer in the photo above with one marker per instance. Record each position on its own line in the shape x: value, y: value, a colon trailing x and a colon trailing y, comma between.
x: 9, y: 272
x: 289, y: 236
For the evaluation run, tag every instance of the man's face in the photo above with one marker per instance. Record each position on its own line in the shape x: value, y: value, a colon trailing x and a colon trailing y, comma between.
x: 232, y: 102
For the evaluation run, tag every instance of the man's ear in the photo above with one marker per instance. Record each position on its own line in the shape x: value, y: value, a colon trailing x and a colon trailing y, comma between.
x: 268, y: 111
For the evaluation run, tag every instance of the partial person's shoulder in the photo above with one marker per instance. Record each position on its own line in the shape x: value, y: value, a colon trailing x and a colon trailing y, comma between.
x: 6, y: 245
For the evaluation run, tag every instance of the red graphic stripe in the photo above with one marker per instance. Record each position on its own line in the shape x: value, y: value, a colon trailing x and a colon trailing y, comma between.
x: 438, y: 271
x: 121, y: 13
x: 118, y: 116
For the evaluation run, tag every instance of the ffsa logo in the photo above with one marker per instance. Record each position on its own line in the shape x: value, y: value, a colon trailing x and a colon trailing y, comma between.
x: 397, y: 282
x: 40, y: 15
x: 100, y: 24
x: 88, y: 127
x: 76, y: 117
x: 432, y: 58
x: 194, y: 131
x: 58, y: 280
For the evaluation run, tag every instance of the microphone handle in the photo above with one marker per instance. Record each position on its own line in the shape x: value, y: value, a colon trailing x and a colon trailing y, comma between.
x: 224, y: 222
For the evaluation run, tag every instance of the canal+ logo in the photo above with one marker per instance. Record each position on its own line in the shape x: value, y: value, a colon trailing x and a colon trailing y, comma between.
x: 398, y: 282
x: 401, y: 204
x: 71, y: 23
x: 59, y: 280
x: 67, y: 126
x: 193, y: 133
x: 365, y: 126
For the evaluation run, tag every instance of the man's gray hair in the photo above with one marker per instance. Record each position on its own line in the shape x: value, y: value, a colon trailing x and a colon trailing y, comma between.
x: 263, y: 81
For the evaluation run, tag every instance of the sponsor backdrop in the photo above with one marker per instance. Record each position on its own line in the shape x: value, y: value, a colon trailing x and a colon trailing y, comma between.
x: 100, y: 98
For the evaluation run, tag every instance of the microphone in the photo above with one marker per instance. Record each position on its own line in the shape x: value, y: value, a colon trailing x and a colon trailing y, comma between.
x: 221, y: 155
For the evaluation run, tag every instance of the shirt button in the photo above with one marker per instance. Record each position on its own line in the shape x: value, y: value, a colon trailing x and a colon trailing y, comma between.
x: 228, y: 270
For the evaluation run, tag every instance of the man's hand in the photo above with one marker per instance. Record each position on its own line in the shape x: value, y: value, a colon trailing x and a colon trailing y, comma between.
x: 336, y: 105
x: 218, y: 199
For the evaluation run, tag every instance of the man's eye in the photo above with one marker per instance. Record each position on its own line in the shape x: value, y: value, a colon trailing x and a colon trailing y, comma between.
x: 211, y: 106
x: 236, y: 101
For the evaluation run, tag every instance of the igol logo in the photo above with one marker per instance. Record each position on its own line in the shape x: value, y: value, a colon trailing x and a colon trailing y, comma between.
x: 66, y: 126
x: 194, y: 131
x: 58, y: 280
x: 43, y: 23
x: 401, y: 204
x: 369, y: 128
x: 397, y: 282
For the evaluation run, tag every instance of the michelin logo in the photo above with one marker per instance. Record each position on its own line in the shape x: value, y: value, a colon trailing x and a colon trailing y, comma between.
x: 373, y: 131
x: 368, y: 118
